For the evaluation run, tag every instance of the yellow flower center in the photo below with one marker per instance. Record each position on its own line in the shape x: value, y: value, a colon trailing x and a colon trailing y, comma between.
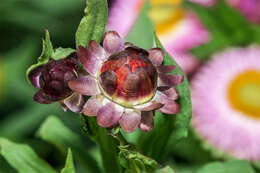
x: 166, y: 14
x: 244, y: 93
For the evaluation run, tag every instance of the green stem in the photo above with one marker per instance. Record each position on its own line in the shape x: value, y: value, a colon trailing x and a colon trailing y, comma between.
x: 106, y: 143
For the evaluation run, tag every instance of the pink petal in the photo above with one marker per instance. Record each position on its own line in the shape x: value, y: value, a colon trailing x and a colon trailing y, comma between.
x: 109, y: 115
x: 156, y: 56
x: 170, y: 106
x: 86, y: 85
x: 165, y: 68
x: 152, y: 105
x: 92, y: 106
x: 89, y: 60
x: 75, y: 102
x: 171, y: 93
x: 147, y: 121
x: 170, y: 80
x: 97, y: 50
x: 34, y: 76
x: 112, y: 42
x: 130, y: 120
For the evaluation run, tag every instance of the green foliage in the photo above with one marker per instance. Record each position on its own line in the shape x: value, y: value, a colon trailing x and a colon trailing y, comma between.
x: 93, y: 24
x: 227, y: 28
x: 61, y: 53
x: 23, y: 158
x: 233, y: 166
x: 69, y: 165
x: 174, y: 127
x: 166, y: 169
x: 134, y: 162
x: 54, y: 131
x: 142, y: 32
x: 47, y: 53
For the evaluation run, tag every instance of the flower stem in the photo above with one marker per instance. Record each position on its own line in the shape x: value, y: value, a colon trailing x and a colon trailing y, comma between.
x: 106, y: 143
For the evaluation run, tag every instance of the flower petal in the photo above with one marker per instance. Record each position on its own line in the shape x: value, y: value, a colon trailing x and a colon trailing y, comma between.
x: 34, y: 76
x: 170, y: 80
x: 165, y: 68
x: 152, y: 105
x: 86, y: 85
x: 130, y: 120
x: 171, y: 93
x: 92, y: 106
x: 97, y: 50
x: 42, y: 98
x: 112, y: 42
x: 156, y: 56
x: 89, y: 60
x: 147, y: 121
x: 170, y: 106
x: 75, y: 102
x: 109, y: 114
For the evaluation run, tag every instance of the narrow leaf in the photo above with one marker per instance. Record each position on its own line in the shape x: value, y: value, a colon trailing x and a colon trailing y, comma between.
x: 93, y: 24
x: 54, y: 132
x: 23, y: 158
x: 47, y: 53
x: 69, y: 165
x: 174, y: 127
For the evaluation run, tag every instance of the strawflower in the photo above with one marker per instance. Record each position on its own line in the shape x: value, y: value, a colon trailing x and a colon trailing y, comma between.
x: 126, y: 84
x: 52, y: 81
x: 226, y: 102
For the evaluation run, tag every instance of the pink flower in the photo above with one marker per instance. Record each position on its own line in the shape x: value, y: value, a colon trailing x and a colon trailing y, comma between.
x: 226, y: 102
x: 126, y: 84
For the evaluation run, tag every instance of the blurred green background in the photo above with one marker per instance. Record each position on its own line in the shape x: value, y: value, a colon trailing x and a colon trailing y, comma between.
x: 22, y: 25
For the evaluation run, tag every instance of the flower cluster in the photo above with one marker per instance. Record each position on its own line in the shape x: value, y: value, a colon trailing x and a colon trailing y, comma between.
x: 126, y: 83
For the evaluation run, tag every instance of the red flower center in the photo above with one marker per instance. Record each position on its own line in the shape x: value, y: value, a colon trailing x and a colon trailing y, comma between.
x: 128, y: 77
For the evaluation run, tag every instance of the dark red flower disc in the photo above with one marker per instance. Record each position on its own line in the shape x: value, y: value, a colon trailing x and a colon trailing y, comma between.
x: 129, y: 77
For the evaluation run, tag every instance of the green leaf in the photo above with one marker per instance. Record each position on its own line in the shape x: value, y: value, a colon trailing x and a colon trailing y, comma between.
x: 233, y: 166
x: 175, y: 127
x: 54, y: 132
x: 166, y: 169
x: 69, y: 165
x: 23, y: 158
x: 47, y: 49
x: 61, y: 53
x: 93, y: 24
x: 47, y: 53
x: 143, y: 28
x: 135, y: 161
x: 106, y: 143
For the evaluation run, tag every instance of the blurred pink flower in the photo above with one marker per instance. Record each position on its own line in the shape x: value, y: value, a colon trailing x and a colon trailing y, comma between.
x: 207, y: 3
x: 249, y: 8
x: 177, y: 28
x: 226, y: 102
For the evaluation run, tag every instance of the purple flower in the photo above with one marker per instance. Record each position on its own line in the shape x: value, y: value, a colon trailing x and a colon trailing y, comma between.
x: 52, y: 80
x: 126, y: 84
